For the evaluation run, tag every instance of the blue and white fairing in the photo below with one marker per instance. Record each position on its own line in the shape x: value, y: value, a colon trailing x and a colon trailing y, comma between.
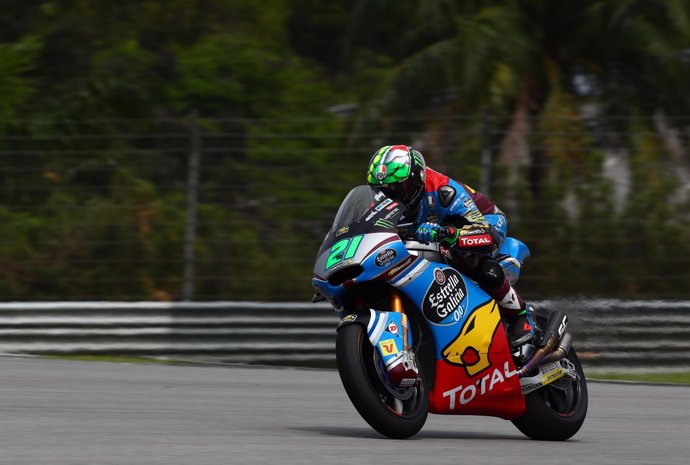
x: 363, y: 245
x: 474, y: 371
x: 511, y: 256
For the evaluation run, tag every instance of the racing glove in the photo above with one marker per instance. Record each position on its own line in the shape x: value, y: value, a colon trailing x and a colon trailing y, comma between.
x: 472, y: 236
x: 428, y: 232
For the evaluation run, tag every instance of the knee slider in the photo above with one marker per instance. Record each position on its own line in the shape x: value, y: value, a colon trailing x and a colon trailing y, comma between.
x: 490, y: 274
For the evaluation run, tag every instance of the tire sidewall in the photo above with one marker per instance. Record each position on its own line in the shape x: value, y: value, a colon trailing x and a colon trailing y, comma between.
x: 362, y: 393
x: 540, y: 422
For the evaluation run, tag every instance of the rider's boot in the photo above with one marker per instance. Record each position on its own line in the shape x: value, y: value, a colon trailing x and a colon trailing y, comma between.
x: 521, y: 328
x: 516, y: 314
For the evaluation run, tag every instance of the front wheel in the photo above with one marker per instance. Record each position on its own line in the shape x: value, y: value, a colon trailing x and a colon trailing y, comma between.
x: 556, y: 411
x: 396, y: 412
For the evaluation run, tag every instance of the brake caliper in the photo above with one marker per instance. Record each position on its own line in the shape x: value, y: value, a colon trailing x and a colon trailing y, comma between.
x: 389, y: 332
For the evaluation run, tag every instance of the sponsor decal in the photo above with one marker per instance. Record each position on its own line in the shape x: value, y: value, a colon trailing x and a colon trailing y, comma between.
x: 547, y: 374
x: 385, y: 257
x: 444, y: 296
x: 552, y: 376
x: 393, y: 272
x: 470, y: 348
x: 472, y: 232
x: 408, y: 382
x: 391, y: 206
x: 383, y: 204
x: 381, y: 172
x: 530, y: 387
x: 350, y: 317
x: 462, y: 395
x: 499, y: 223
x: 446, y: 195
x: 475, y: 216
x: 562, y: 326
x: 384, y: 223
x: 388, y: 347
x: 391, y: 214
x: 393, y: 328
x: 439, y: 276
x: 468, y: 203
x: 475, y: 241
x: 342, y: 231
x: 340, y: 265
x: 370, y: 216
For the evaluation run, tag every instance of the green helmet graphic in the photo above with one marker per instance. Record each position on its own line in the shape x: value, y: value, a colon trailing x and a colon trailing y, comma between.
x: 399, y: 172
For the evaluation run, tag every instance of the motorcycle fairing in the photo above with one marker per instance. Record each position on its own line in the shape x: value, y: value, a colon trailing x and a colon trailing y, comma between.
x: 381, y: 256
x: 510, y: 256
x: 476, y: 379
x: 475, y: 373
x: 389, y: 333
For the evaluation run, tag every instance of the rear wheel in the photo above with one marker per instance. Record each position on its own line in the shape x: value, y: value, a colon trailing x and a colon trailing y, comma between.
x: 556, y: 412
x: 396, y: 412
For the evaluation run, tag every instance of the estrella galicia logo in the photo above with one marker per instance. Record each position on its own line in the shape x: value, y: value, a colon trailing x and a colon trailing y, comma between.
x: 385, y: 257
x: 444, y: 296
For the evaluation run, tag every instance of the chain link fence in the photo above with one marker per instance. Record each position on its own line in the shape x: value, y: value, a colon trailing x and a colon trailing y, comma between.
x: 235, y: 209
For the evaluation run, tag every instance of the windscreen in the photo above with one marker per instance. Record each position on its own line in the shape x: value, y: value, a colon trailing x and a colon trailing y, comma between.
x: 363, y: 210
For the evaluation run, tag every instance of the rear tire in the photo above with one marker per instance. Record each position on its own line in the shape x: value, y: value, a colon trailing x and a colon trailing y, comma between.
x: 556, y: 412
x: 395, y: 412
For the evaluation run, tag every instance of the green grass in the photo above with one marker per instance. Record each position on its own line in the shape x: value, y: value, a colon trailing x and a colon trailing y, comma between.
x: 116, y: 359
x: 676, y: 378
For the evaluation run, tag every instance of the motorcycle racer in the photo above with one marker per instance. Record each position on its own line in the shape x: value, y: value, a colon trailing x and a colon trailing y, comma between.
x: 472, y: 222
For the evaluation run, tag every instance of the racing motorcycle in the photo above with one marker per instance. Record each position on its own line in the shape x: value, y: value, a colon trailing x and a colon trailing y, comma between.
x: 418, y: 337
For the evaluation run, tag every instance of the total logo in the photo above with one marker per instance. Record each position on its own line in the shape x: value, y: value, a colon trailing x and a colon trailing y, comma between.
x: 463, y: 395
x: 475, y: 241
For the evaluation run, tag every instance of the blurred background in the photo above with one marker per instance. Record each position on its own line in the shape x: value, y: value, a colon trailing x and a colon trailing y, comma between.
x: 199, y: 149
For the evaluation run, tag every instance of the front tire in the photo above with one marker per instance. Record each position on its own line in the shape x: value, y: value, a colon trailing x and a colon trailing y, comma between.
x: 393, y: 411
x: 556, y: 411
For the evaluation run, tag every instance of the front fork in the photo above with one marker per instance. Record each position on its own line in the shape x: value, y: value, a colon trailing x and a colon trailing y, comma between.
x: 391, y: 334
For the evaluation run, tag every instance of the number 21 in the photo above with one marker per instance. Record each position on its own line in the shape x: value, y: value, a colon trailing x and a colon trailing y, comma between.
x: 343, y: 250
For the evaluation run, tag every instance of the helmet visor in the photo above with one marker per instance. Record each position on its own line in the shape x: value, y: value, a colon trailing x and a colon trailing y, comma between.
x: 401, y: 191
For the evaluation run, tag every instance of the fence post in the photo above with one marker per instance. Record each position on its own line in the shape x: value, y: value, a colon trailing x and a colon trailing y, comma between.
x: 192, y: 202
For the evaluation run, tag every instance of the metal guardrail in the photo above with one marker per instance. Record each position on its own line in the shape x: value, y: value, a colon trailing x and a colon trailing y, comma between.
x: 608, y: 333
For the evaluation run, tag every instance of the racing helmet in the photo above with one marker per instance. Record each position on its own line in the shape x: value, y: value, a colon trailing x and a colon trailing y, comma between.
x: 399, y: 172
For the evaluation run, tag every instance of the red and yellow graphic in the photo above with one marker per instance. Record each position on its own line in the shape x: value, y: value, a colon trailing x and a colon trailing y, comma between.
x: 476, y: 374
x: 470, y: 349
x: 388, y: 347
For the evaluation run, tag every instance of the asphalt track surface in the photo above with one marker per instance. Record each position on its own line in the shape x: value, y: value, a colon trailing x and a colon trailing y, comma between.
x: 61, y: 412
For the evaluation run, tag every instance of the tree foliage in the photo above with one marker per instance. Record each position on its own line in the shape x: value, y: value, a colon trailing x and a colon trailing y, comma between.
x: 102, y: 103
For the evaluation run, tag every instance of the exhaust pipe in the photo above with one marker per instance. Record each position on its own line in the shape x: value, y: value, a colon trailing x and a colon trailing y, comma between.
x: 562, y: 351
x: 555, y: 328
